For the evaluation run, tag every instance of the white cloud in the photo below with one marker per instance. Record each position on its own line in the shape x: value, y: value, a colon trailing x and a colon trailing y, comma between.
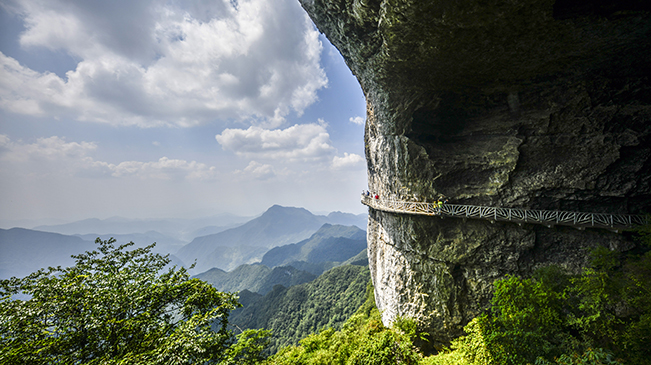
x: 51, y: 148
x: 54, y: 155
x: 357, y: 120
x: 151, y: 62
x: 302, y: 143
x: 349, y: 161
x: 164, y: 168
x: 259, y: 171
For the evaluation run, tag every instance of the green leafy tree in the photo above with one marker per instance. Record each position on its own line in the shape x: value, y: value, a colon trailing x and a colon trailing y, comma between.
x: 115, y: 306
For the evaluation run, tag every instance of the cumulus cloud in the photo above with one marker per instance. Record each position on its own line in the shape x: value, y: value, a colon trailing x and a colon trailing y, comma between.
x: 357, y: 120
x: 154, y: 62
x: 349, y: 161
x: 302, y: 143
x: 259, y: 171
x: 55, y: 155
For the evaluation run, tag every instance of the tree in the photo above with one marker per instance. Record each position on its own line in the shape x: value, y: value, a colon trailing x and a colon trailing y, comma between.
x: 114, y: 306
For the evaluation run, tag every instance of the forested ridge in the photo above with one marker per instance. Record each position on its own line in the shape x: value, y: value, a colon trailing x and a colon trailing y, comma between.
x: 295, y: 312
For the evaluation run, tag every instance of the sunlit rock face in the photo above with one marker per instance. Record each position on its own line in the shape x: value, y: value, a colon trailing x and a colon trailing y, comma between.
x: 525, y: 104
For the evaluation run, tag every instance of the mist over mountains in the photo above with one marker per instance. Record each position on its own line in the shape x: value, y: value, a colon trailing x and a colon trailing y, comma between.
x: 179, y: 229
x: 297, y: 263
x: 249, y: 242
x: 295, y: 272
x: 23, y: 251
x: 330, y: 243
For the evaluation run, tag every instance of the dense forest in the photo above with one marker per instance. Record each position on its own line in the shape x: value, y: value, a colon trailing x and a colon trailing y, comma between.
x: 295, y: 312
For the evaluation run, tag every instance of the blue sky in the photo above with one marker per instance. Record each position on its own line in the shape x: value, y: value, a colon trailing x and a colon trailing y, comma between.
x: 165, y: 108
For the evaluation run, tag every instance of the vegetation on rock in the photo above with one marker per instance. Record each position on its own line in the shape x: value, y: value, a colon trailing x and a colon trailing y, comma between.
x: 602, y: 316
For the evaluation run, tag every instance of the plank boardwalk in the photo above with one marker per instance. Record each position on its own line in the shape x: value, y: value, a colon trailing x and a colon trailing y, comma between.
x: 615, y: 222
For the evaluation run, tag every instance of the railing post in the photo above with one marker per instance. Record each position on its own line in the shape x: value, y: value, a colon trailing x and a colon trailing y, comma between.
x: 574, y: 215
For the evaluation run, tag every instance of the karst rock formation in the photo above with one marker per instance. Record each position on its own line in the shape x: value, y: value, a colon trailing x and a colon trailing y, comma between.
x: 536, y: 104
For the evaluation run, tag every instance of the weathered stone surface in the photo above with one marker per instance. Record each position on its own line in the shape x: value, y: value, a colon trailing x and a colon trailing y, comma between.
x: 523, y: 103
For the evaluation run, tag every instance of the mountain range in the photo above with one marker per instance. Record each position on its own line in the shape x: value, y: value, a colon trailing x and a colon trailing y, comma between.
x: 164, y: 244
x: 294, y: 264
x: 179, y: 229
x: 248, y: 243
x: 255, y: 278
x: 312, y: 275
x: 23, y: 251
x: 335, y: 243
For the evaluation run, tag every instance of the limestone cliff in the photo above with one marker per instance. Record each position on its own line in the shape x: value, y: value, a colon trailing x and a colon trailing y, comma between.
x: 535, y: 104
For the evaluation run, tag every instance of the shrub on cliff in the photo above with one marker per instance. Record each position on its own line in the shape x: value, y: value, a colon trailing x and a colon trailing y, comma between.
x: 600, y: 317
x: 119, y: 307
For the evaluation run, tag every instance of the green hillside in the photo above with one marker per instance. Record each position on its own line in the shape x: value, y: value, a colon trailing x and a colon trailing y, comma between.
x: 293, y: 313
x: 293, y: 264
x: 331, y: 243
x: 255, y: 278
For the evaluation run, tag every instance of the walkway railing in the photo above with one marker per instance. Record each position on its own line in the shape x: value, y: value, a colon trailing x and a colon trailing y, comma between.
x: 546, y: 217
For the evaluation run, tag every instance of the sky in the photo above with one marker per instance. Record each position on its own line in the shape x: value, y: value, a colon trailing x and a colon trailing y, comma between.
x: 173, y: 109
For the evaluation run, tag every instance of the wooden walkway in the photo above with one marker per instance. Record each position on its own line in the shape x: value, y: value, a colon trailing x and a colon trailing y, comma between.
x: 549, y: 218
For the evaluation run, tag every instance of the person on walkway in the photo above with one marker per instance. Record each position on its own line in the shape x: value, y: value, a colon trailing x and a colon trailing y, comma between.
x: 377, y: 196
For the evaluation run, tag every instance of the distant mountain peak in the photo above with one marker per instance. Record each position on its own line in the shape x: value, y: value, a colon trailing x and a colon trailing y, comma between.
x: 274, y: 209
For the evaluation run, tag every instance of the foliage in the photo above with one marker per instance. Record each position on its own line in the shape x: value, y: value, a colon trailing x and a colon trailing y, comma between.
x: 362, y: 340
x: 589, y: 357
x: 249, y: 349
x: 117, y: 307
x: 525, y: 323
x: 294, y: 313
x: 600, y: 317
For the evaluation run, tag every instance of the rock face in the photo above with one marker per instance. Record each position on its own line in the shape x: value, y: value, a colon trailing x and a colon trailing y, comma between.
x: 534, y: 104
